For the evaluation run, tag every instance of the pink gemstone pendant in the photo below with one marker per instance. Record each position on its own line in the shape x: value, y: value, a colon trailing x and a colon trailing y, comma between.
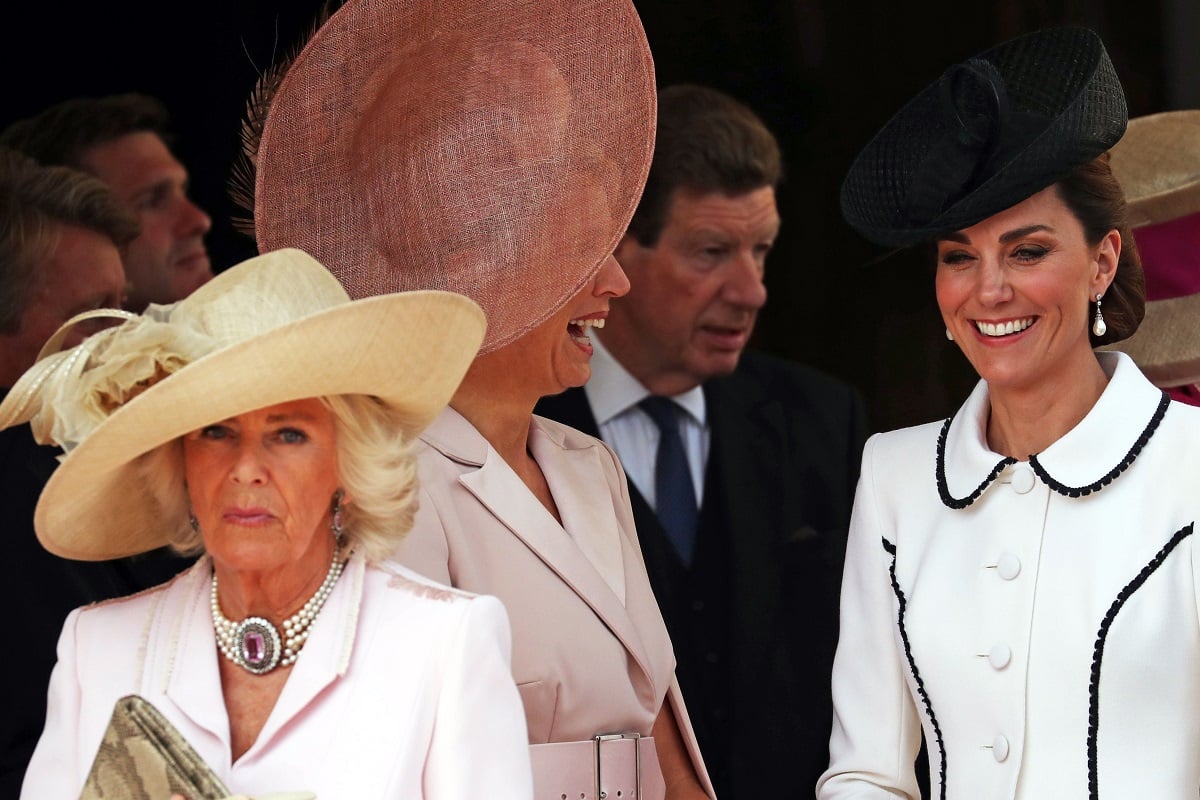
x: 258, y: 644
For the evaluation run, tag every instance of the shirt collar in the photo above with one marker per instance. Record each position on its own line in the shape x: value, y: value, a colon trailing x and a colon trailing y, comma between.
x: 1088, y: 458
x: 612, y: 390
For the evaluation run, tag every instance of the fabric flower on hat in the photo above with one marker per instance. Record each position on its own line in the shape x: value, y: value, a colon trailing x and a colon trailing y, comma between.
x: 115, y: 366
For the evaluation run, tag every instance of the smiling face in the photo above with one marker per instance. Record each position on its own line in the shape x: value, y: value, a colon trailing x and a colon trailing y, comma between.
x: 1015, y: 290
x: 557, y: 354
x: 695, y: 294
x: 168, y: 260
x: 261, y: 486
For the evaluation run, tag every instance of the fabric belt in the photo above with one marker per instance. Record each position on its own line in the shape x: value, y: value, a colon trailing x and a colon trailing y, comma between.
x: 602, y: 768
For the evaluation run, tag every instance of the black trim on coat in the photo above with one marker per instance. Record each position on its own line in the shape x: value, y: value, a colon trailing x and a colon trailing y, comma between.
x: 1067, y: 491
x: 1098, y: 652
x: 912, y: 665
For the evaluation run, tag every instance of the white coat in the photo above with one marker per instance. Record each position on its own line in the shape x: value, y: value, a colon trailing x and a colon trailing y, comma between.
x: 402, y: 691
x: 1044, y: 631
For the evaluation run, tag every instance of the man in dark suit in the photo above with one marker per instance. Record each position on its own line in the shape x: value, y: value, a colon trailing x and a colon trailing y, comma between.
x: 747, y: 574
x: 61, y: 235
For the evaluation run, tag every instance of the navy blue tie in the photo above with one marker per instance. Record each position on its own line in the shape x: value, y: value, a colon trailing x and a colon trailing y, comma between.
x: 674, y: 495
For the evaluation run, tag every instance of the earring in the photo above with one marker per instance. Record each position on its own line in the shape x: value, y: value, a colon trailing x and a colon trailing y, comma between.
x: 336, y: 524
x: 1098, y: 326
x: 949, y: 335
x: 192, y: 521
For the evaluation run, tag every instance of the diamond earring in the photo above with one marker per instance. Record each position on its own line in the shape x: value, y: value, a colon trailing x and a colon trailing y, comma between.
x: 335, y: 524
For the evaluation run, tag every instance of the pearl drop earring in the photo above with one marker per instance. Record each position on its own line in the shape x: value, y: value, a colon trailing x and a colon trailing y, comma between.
x: 1098, y: 326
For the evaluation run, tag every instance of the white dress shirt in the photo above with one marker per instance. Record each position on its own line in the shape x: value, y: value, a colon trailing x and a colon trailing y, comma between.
x: 614, y: 395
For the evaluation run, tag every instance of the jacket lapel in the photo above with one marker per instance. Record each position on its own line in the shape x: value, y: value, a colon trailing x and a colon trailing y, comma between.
x: 183, y: 654
x: 182, y: 650
x: 745, y: 470
x: 592, y: 567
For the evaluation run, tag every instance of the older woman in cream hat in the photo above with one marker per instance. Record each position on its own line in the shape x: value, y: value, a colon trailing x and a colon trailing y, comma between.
x: 267, y: 422
x: 498, y: 149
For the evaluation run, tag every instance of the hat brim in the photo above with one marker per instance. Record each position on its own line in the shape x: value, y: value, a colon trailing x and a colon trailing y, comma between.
x: 1165, y: 345
x: 409, y: 350
x: 1157, y: 163
x: 309, y: 190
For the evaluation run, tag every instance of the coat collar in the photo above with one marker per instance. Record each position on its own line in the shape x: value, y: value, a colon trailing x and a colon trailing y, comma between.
x: 585, y: 551
x: 612, y: 390
x: 186, y: 660
x: 1088, y: 458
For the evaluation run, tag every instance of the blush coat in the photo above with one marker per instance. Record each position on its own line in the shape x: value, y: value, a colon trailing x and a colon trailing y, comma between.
x: 591, y: 653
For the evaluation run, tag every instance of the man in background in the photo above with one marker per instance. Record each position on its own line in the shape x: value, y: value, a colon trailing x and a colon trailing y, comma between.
x: 742, y: 466
x: 61, y: 239
x: 123, y: 141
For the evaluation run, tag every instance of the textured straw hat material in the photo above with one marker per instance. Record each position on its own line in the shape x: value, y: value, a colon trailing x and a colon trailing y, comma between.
x: 273, y: 329
x: 989, y: 133
x: 1157, y: 164
x: 496, y: 148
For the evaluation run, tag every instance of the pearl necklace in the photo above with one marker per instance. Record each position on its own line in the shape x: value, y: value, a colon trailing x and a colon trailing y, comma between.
x: 255, y: 645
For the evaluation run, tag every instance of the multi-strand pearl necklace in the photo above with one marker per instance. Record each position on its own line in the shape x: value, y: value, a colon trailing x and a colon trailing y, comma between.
x: 254, y: 644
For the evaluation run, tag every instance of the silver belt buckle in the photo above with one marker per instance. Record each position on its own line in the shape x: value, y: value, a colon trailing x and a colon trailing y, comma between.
x: 599, y: 739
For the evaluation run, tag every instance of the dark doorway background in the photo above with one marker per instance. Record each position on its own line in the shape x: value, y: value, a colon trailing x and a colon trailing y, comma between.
x: 824, y: 74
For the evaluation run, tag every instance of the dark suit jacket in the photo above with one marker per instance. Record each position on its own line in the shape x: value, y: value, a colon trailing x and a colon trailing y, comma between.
x: 39, y: 590
x: 754, y: 621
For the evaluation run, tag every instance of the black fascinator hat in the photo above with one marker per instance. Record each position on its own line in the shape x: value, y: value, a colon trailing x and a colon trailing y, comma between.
x: 992, y: 131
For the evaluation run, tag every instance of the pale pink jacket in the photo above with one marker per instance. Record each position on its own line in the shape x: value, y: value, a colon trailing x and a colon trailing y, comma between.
x: 402, y: 691
x: 591, y: 653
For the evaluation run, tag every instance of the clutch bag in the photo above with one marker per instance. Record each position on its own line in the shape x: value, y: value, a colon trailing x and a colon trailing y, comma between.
x: 143, y: 757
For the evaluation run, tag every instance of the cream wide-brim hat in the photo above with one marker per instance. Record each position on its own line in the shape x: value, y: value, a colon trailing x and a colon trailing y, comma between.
x: 496, y: 148
x: 1157, y: 163
x: 270, y: 330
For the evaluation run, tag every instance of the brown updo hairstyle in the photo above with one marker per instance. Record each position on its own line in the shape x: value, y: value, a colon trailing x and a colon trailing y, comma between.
x: 1095, y: 198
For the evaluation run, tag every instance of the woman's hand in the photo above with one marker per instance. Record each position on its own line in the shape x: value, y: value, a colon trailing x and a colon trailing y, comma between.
x: 678, y: 774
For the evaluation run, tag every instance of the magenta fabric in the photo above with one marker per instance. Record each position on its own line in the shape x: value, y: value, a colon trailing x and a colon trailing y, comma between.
x: 1188, y: 393
x: 1170, y: 257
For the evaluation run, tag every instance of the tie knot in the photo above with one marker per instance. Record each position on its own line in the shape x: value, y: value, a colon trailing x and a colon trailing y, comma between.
x: 663, y: 410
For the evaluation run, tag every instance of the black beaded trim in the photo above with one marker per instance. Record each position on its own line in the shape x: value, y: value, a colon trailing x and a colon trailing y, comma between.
x: 1067, y: 491
x: 949, y: 500
x: 912, y: 665
x: 1130, y: 457
x: 1098, y: 652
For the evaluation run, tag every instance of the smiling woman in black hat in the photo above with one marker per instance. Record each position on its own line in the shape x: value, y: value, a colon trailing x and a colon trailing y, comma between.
x: 1021, y: 579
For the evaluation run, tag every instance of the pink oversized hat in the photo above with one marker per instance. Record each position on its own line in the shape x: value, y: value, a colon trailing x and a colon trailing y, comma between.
x: 494, y: 148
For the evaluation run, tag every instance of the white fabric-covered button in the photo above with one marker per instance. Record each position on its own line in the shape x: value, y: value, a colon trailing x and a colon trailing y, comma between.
x: 999, y: 656
x: 1022, y: 479
x: 999, y: 748
x: 1008, y: 567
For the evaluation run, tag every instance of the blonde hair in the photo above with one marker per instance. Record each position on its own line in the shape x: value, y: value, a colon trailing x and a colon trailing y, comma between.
x: 376, y: 468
